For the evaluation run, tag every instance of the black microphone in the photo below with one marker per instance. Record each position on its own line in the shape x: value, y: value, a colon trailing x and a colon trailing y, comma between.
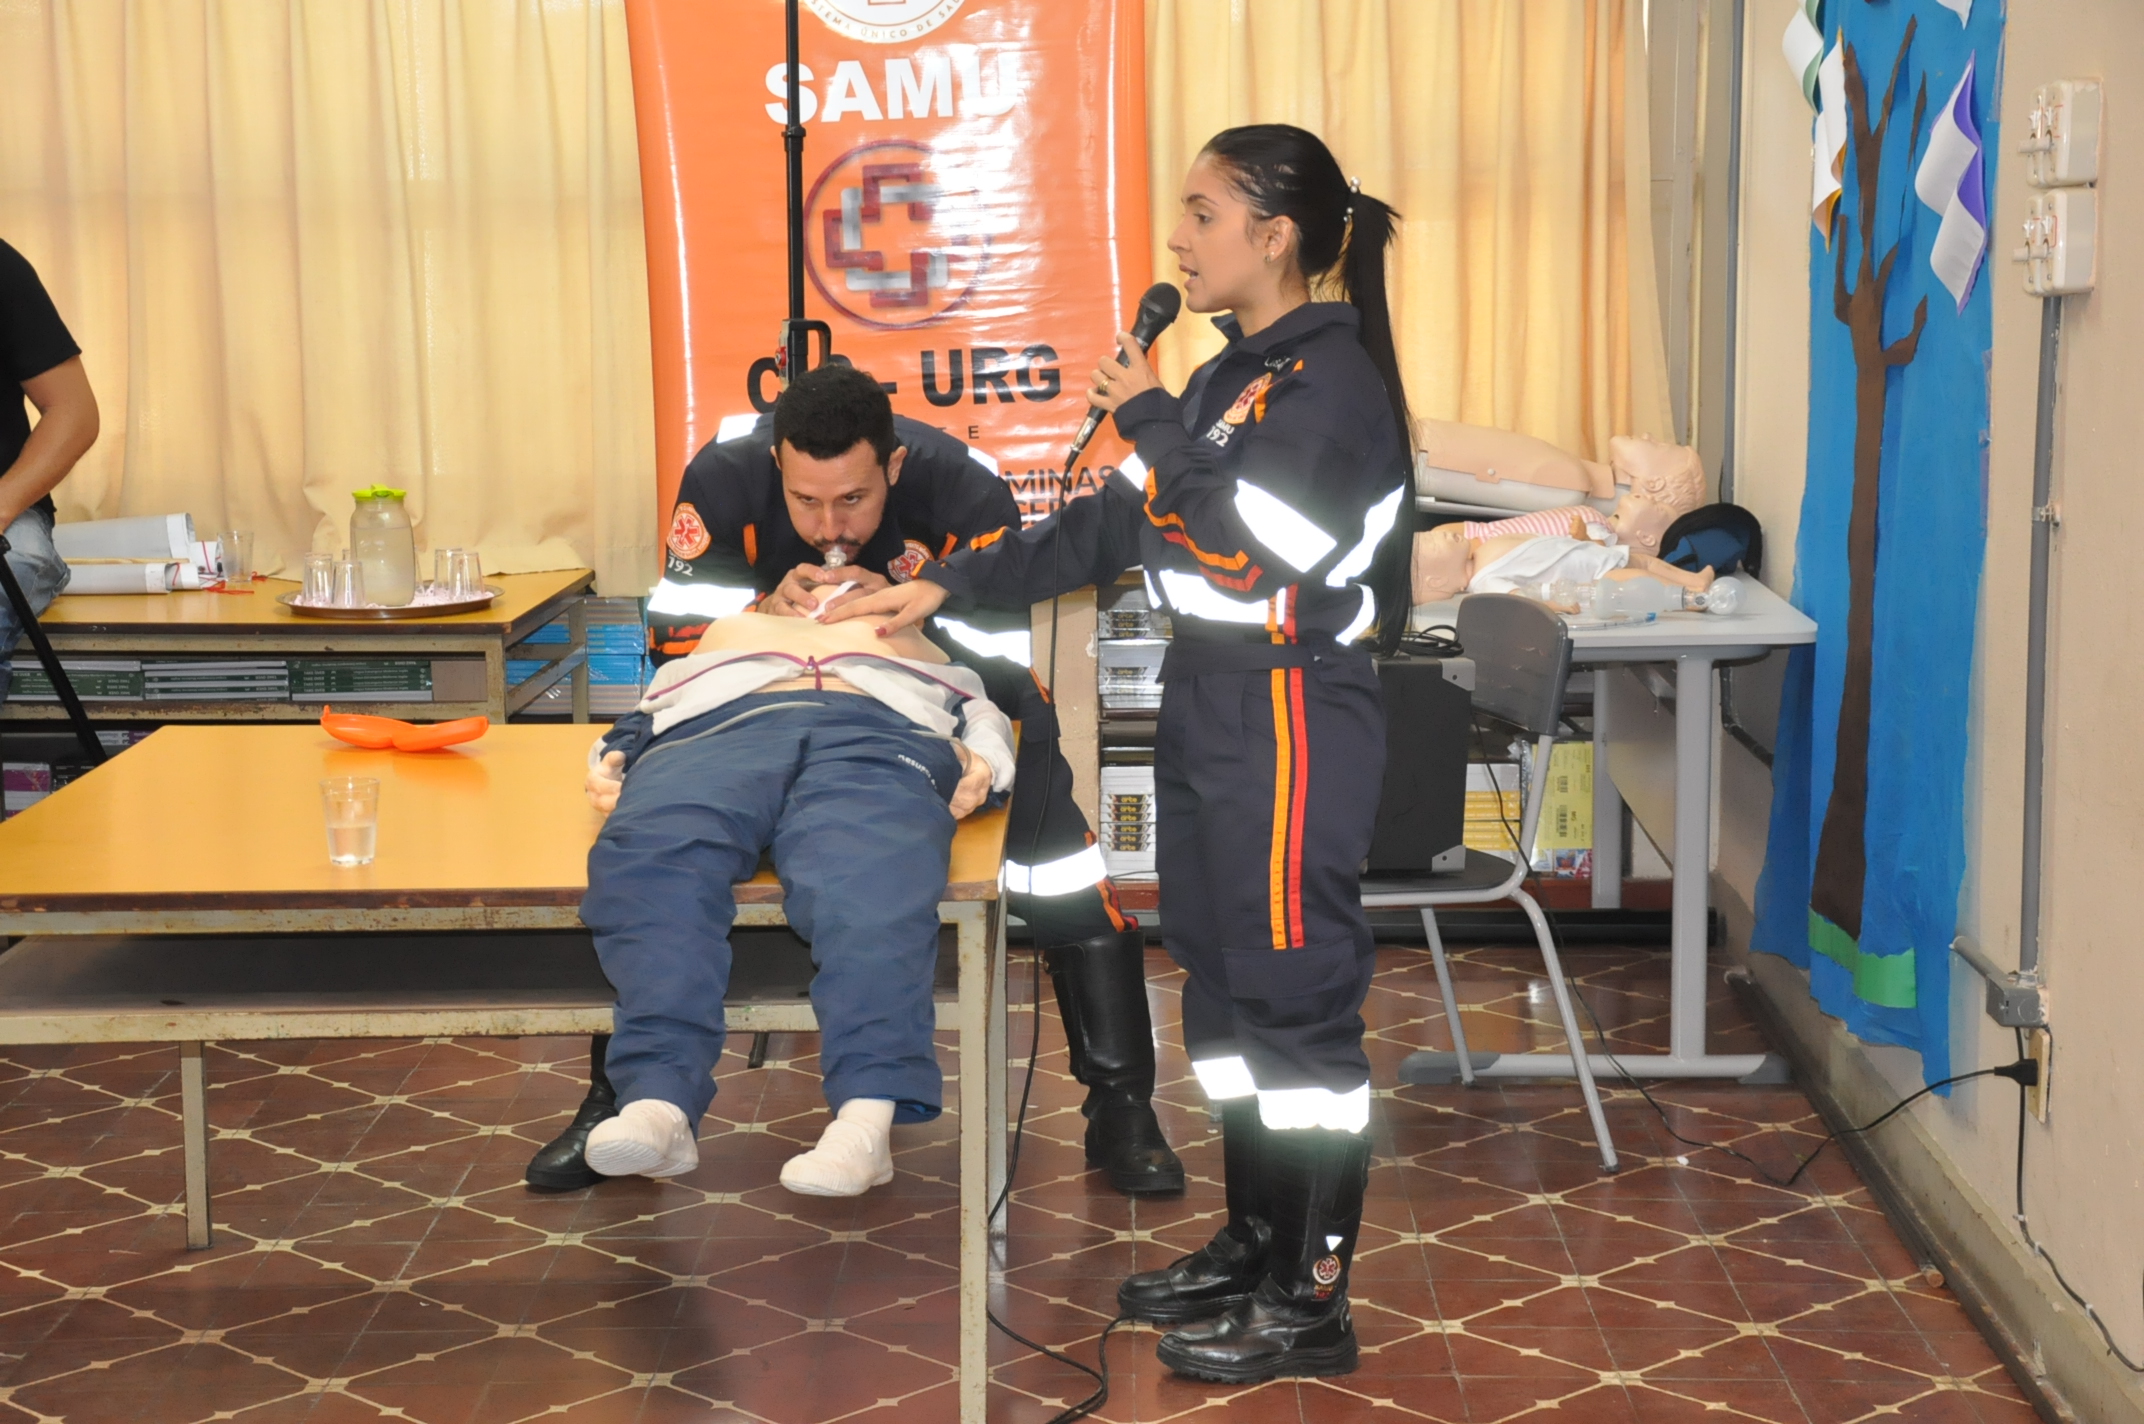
x: 1156, y: 310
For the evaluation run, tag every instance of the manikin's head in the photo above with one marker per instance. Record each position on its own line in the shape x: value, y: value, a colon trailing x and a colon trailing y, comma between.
x: 839, y: 457
x: 1639, y: 522
x: 1669, y: 475
x: 1443, y: 563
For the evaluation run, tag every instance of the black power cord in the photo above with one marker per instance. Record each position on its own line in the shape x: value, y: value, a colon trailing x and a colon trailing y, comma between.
x: 2025, y: 1227
x: 2025, y: 1072
x: 1100, y: 1376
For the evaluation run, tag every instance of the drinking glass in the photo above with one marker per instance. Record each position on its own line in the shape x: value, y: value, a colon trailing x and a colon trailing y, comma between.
x: 468, y: 574
x: 352, y: 806
x: 443, y: 569
x: 319, y: 580
x: 349, y: 584
x: 237, y: 558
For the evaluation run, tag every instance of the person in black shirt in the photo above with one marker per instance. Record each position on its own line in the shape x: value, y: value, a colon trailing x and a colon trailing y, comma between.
x: 1273, y: 524
x: 858, y: 494
x: 38, y: 355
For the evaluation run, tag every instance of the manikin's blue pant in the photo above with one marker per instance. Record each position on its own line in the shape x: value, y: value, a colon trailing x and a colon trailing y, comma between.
x: 852, y: 798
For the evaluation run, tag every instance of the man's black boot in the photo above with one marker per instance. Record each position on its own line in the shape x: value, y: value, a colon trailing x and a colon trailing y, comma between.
x: 561, y: 1165
x: 1296, y: 1321
x: 1223, y: 1272
x: 1101, y: 994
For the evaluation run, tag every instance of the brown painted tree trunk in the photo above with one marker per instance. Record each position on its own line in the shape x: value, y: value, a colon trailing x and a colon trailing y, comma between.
x: 1836, y: 882
x: 1841, y: 857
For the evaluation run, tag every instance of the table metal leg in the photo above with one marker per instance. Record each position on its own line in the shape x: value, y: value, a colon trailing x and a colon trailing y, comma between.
x: 1607, y: 806
x: 1696, y: 684
x: 977, y: 979
x: 193, y: 1112
x: 577, y: 637
x: 1696, y: 722
x: 1000, y: 1056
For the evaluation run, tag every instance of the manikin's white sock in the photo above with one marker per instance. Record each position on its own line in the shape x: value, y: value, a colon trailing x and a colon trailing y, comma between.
x: 873, y: 1113
x: 648, y: 1138
x: 853, y: 1154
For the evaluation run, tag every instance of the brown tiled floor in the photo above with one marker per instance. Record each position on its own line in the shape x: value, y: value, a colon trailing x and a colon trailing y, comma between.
x: 378, y: 1257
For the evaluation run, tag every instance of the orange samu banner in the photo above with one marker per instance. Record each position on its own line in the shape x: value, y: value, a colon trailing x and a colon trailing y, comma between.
x: 975, y: 216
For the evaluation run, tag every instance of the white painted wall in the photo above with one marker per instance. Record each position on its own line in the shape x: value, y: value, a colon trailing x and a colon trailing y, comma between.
x: 2086, y: 1168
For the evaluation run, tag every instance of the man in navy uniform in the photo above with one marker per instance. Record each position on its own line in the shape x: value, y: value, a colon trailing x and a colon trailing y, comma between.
x: 834, y: 488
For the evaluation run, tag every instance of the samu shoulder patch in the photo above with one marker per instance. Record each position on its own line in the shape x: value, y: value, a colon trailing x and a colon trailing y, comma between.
x: 688, y: 533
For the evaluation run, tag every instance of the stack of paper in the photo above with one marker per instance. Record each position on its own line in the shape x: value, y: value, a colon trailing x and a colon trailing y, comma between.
x: 617, y: 659
x: 152, y: 553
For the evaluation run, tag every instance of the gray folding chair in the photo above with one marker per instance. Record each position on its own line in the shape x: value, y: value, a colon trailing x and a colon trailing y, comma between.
x: 1522, y: 658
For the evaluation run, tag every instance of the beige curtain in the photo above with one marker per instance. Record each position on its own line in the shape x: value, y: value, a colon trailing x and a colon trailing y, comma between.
x: 309, y: 245
x: 1510, y: 134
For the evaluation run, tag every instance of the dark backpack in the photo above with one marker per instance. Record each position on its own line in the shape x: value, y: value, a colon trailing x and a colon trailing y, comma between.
x: 1725, y: 537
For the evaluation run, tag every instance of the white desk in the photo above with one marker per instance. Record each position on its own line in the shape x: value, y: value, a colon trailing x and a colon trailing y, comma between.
x: 1626, y: 715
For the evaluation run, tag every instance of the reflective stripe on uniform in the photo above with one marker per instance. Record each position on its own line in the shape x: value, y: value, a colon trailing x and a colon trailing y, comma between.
x: 1282, y: 528
x: 1081, y: 870
x: 1225, y: 1078
x: 1375, y: 526
x: 1015, y: 644
x: 702, y: 600
x: 1360, y: 623
x: 1285, y: 1109
x: 1188, y: 593
x: 735, y: 427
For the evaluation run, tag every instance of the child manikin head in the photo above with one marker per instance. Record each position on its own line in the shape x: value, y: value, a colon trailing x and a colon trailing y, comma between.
x: 1443, y: 562
x: 1639, y: 522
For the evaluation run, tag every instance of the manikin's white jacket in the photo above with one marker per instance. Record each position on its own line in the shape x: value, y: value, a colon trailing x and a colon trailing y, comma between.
x: 1547, y: 559
x: 943, y: 699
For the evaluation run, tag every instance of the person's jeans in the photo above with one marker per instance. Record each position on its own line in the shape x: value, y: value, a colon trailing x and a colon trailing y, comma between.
x: 39, y: 569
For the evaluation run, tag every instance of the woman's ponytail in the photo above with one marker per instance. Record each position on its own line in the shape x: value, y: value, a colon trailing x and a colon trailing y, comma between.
x: 1284, y: 171
x: 1372, y: 227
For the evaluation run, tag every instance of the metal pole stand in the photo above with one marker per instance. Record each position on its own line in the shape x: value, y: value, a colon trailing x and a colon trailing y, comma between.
x: 50, y: 660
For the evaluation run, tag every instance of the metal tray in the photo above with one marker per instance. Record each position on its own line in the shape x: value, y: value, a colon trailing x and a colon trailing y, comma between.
x: 374, y: 615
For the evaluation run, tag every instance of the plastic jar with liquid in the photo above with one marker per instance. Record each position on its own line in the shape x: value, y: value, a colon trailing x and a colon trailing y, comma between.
x: 382, y: 542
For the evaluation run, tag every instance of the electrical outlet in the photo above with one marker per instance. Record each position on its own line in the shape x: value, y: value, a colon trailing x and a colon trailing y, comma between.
x: 2061, y: 147
x: 2040, y: 1047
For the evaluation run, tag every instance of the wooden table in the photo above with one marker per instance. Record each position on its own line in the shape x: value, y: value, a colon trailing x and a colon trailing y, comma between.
x: 182, y: 893
x: 255, y: 625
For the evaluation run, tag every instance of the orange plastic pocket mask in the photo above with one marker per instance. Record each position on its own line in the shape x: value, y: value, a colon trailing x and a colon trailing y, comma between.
x: 391, y: 733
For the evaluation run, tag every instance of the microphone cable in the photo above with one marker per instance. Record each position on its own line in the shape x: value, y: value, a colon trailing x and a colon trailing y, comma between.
x: 1065, y: 484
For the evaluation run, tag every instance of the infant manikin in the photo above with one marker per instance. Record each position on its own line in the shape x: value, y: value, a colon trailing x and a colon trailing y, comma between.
x: 1448, y: 561
x: 1638, y: 520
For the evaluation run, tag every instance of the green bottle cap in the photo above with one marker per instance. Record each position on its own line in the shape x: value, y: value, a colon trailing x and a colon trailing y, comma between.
x: 379, y: 492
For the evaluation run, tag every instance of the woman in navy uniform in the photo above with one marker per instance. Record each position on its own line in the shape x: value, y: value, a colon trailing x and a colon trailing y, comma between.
x: 752, y: 531
x: 1272, y: 523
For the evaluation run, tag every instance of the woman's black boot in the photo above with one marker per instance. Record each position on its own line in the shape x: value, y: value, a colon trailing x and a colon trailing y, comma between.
x: 1295, y: 1322
x: 1221, y: 1273
x: 1101, y: 994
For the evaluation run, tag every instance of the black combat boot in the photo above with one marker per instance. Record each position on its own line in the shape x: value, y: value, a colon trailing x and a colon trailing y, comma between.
x: 1101, y: 993
x: 1296, y: 1321
x: 561, y: 1165
x: 1223, y: 1272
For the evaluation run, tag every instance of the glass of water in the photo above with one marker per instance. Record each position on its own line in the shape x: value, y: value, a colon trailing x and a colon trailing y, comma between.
x: 349, y: 584
x: 352, y: 804
x: 237, y: 558
x: 319, y: 580
x: 468, y: 574
x: 443, y: 569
